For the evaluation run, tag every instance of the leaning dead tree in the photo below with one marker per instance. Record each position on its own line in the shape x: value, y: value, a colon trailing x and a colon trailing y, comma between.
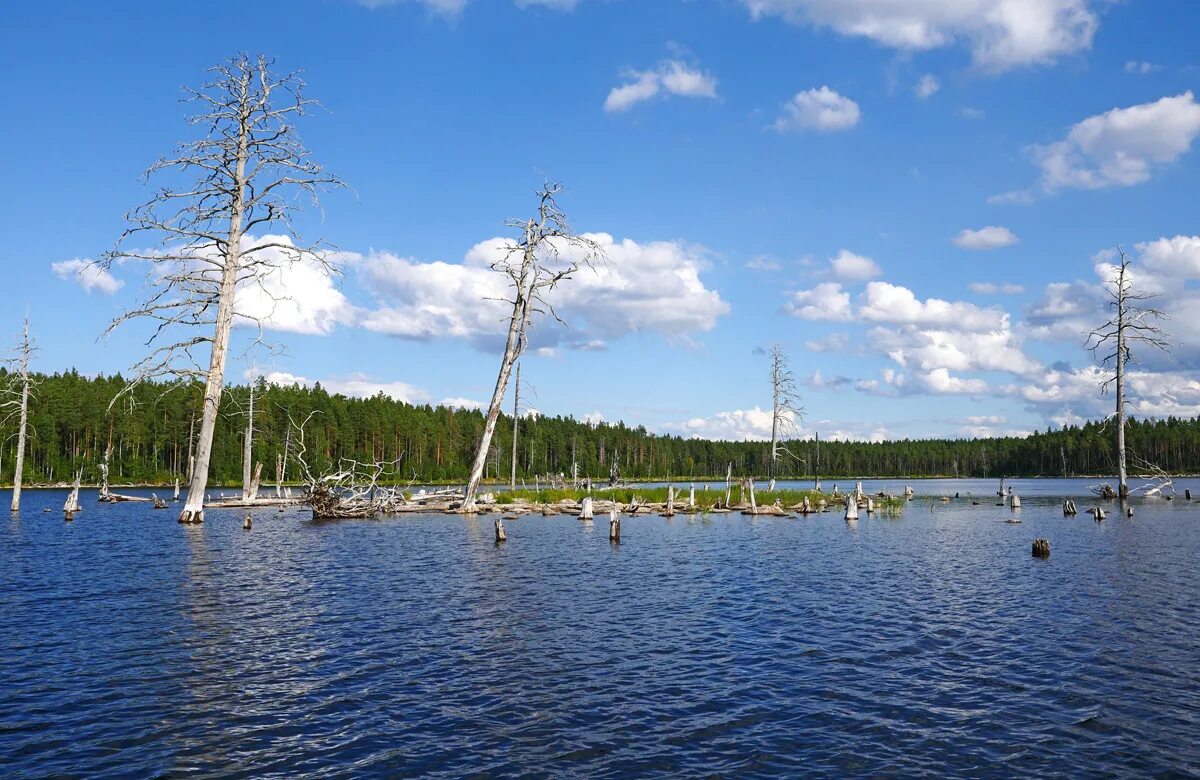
x: 16, y: 403
x: 786, y: 407
x: 1132, y: 322
x: 547, y: 253
x: 250, y: 169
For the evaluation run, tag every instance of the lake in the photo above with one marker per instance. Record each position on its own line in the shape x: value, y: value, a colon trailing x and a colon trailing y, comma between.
x: 931, y: 644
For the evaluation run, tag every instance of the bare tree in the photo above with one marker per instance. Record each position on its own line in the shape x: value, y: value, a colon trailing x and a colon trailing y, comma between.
x: 17, y: 403
x: 250, y: 169
x: 512, y: 479
x: 1132, y: 322
x: 548, y: 252
x: 787, y: 409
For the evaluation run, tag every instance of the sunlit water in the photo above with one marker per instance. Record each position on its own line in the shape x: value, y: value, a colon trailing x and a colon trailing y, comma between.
x: 932, y: 644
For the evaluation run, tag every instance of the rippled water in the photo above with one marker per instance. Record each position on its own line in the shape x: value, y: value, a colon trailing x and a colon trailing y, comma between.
x: 932, y: 644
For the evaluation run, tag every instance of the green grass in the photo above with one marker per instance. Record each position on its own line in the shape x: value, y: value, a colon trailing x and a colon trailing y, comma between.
x: 705, y: 499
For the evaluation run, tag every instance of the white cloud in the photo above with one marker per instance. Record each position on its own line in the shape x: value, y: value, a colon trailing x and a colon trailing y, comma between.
x: 449, y: 8
x: 671, y: 76
x: 991, y: 237
x: 763, y: 263
x: 738, y: 425
x: 826, y: 301
x: 354, y: 386
x: 653, y: 287
x: 1121, y: 147
x: 927, y: 87
x: 969, y: 112
x: 87, y: 275
x: 850, y: 267
x: 1002, y: 34
x: 991, y: 288
x: 593, y: 418
x: 819, y: 109
x: 294, y: 296
x: 834, y: 342
x: 1141, y: 68
x: 1015, y: 197
x: 885, y: 302
x: 461, y: 403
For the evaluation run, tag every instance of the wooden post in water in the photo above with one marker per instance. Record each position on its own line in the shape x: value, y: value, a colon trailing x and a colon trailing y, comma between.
x: 247, y: 523
x: 753, y: 503
x: 851, y: 509
x: 585, y: 512
x: 670, y: 501
x: 1041, y: 548
x: 614, y: 526
x: 500, y: 535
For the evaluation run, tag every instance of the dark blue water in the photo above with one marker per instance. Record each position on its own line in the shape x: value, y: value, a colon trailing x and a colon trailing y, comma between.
x: 929, y: 645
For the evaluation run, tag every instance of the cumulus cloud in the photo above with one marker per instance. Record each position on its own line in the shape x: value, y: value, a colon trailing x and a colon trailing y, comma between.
x: 295, y: 296
x: 1001, y: 34
x: 850, y: 267
x: 671, y: 76
x: 1121, y: 147
x: 652, y: 287
x: 763, y: 263
x: 991, y: 237
x: 927, y: 86
x: 826, y: 301
x: 354, y: 386
x: 890, y: 303
x: 822, y: 109
x: 87, y: 275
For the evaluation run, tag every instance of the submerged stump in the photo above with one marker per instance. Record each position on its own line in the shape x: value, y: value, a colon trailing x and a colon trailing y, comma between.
x: 500, y: 535
x: 1041, y: 548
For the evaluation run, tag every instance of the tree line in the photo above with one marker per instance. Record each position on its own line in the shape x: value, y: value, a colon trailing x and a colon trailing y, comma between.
x: 148, y: 433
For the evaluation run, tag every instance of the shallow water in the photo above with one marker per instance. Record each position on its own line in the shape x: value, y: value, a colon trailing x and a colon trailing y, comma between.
x: 932, y: 644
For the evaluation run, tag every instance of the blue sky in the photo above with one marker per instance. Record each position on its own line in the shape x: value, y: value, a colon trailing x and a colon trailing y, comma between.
x: 845, y: 178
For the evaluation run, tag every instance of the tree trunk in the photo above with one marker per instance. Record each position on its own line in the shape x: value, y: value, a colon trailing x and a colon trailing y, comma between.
x: 1123, y: 484
x: 193, y: 508
x: 512, y: 347
x: 512, y: 479
x: 20, y: 467
x: 247, y: 451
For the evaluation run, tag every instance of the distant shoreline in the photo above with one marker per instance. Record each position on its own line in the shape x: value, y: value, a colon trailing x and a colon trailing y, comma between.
x: 596, y: 483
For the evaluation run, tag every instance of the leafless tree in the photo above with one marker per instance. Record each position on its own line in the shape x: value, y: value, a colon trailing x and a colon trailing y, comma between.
x: 787, y: 410
x: 250, y: 171
x: 16, y: 403
x: 547, y: 253
x: 1132, y: 322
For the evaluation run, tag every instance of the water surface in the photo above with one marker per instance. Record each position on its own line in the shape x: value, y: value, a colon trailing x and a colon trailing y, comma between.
x: 929, y: 645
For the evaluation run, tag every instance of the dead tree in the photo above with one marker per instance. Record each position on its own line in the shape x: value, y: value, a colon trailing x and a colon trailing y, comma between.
x: 351, y: 490
x: 250, y: 170
x: 546, y: 253
x: 1132, y: 322
x: 512, y: 479
x: 786, y: 407
x: 16, y: 404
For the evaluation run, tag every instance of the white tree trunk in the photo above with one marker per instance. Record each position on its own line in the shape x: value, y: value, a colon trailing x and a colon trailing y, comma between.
x: 512, y: 345
x: 512, y: 479
x: 1122, y: 480
x: 193, y: 508
x: 247, y: 451
x: 20, y: 467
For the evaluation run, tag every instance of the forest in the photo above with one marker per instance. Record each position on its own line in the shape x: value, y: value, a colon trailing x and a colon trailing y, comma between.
x: 71, y: 425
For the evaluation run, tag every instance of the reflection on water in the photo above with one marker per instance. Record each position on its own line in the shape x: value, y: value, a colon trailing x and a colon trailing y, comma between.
x: 928, y: 644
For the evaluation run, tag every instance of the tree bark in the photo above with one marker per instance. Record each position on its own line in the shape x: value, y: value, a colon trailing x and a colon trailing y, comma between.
x: 20, y: 466
x: 1122, y: 480
x: 247, y: 451
x: 512, y: 479
x: 193, y: 508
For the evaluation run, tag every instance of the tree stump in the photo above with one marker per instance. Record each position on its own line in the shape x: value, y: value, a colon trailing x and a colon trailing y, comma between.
x: 585, y: 512
x: 614, y: 527
x: 1187, y: 494
x: 248, y: 522
x: 851, y: 509
x: 1041, y: 548
x: 500, y: 535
